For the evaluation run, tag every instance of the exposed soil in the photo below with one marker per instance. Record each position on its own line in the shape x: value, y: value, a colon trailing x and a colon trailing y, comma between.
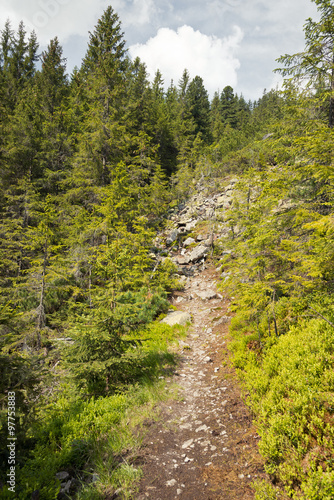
x: 204, y: 446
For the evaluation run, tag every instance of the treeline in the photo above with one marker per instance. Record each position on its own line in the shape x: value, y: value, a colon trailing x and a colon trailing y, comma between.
x: 87, y: 161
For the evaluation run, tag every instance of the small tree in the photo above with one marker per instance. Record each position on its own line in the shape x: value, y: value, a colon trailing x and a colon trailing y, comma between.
x: 315, y: 64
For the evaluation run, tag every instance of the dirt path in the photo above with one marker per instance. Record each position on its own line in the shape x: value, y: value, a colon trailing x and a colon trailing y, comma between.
x: 204, y: 447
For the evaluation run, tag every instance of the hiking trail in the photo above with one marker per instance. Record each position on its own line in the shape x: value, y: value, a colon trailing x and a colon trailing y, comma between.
x: 204, y: 446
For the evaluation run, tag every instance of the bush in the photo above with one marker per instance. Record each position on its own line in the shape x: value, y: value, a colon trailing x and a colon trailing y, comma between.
x: 292, y: 395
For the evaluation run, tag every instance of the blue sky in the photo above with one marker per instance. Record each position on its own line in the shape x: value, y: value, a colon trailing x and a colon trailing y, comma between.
x: 226, y: 42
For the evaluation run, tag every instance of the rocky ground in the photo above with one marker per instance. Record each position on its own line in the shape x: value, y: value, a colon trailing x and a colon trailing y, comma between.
x: 204, y: 446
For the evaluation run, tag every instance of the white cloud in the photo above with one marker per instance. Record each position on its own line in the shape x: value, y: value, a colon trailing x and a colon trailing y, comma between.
x: 269, y: 28
x: 65, y: 18
x: 210, y: 57
x: 140, y: 13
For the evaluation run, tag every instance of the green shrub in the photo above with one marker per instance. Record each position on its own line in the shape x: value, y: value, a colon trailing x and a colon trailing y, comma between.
x: 292, y: 395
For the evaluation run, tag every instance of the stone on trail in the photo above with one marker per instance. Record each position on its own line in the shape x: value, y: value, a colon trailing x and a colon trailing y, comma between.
x: 182, y: 259
x: 173, y: 235
x: 198, y: 252
x: 171, y: 482
x: 187, y: 444
x: 177, y: 318
x: 207, y: 294
x: 188, y: 241
x: 190, y: 225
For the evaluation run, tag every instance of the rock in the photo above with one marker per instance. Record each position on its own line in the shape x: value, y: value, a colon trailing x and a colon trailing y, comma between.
x: 222, y: 200
x: 188, y: 241
x: 172, y: 237
x: 207, y: 359
x: 172, y: 482
x: 202, y: 428
x: 62, y: 475
x: 184, y: 222
x: 201, y: 237
x: 191, y: 225
x: 198, y: 253
x: 187, y: 444
x: 177, y: 318
x: 223, y: 320
x: 207, y: 294
x: 208, y: 242
x: 182, y: 259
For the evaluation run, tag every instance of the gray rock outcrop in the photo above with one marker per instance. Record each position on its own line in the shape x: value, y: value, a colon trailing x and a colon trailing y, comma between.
x: 177, y: 318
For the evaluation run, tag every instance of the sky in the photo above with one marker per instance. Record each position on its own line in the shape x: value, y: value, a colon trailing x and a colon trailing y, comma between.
x: 226, y: 42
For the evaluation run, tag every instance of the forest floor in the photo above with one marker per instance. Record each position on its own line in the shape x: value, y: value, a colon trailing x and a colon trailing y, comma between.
x: 204, y: 445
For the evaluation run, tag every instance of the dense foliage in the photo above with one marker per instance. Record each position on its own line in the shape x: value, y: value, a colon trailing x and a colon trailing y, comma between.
x: 280, y: 274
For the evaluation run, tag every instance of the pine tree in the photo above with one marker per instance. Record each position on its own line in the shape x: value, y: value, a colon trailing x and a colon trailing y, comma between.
x: 106, y: 53
x: 52, y: 79
x: 315, y: 64
x: 103, y: 139
x: 19, y: 57
x: 199, y: 105
x: 161, y: 127
x: 229, y: 106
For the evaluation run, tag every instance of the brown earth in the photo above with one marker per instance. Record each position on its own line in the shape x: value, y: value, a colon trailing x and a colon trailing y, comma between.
x: 204, y: 446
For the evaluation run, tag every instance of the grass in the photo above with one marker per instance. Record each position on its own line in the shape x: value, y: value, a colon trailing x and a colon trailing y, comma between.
x: 96, y: 439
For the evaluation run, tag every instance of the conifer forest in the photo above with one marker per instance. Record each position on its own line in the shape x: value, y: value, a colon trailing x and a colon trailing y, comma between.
x: 95, y: 167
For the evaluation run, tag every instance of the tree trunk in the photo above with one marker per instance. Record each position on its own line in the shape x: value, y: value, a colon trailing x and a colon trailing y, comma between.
x: 331, y: 98
x: 41, y: 311
x: 274, y: 315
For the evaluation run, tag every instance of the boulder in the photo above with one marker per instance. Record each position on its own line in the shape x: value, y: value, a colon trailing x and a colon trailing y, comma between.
x: 184, y: 222
x: 223, y: 200
x: 188, y: 241
x: 182, y: 259
x: 198, y: 253
x: 207, y: 294
x: 172, y: 236
x: 190, y: 225
x: 177, y: 318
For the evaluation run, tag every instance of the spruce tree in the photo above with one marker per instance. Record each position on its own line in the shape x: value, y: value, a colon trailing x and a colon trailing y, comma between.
x: 102, y: 138
x: 315, y: 65
x: 199, y: 105
x: 106, y: 51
